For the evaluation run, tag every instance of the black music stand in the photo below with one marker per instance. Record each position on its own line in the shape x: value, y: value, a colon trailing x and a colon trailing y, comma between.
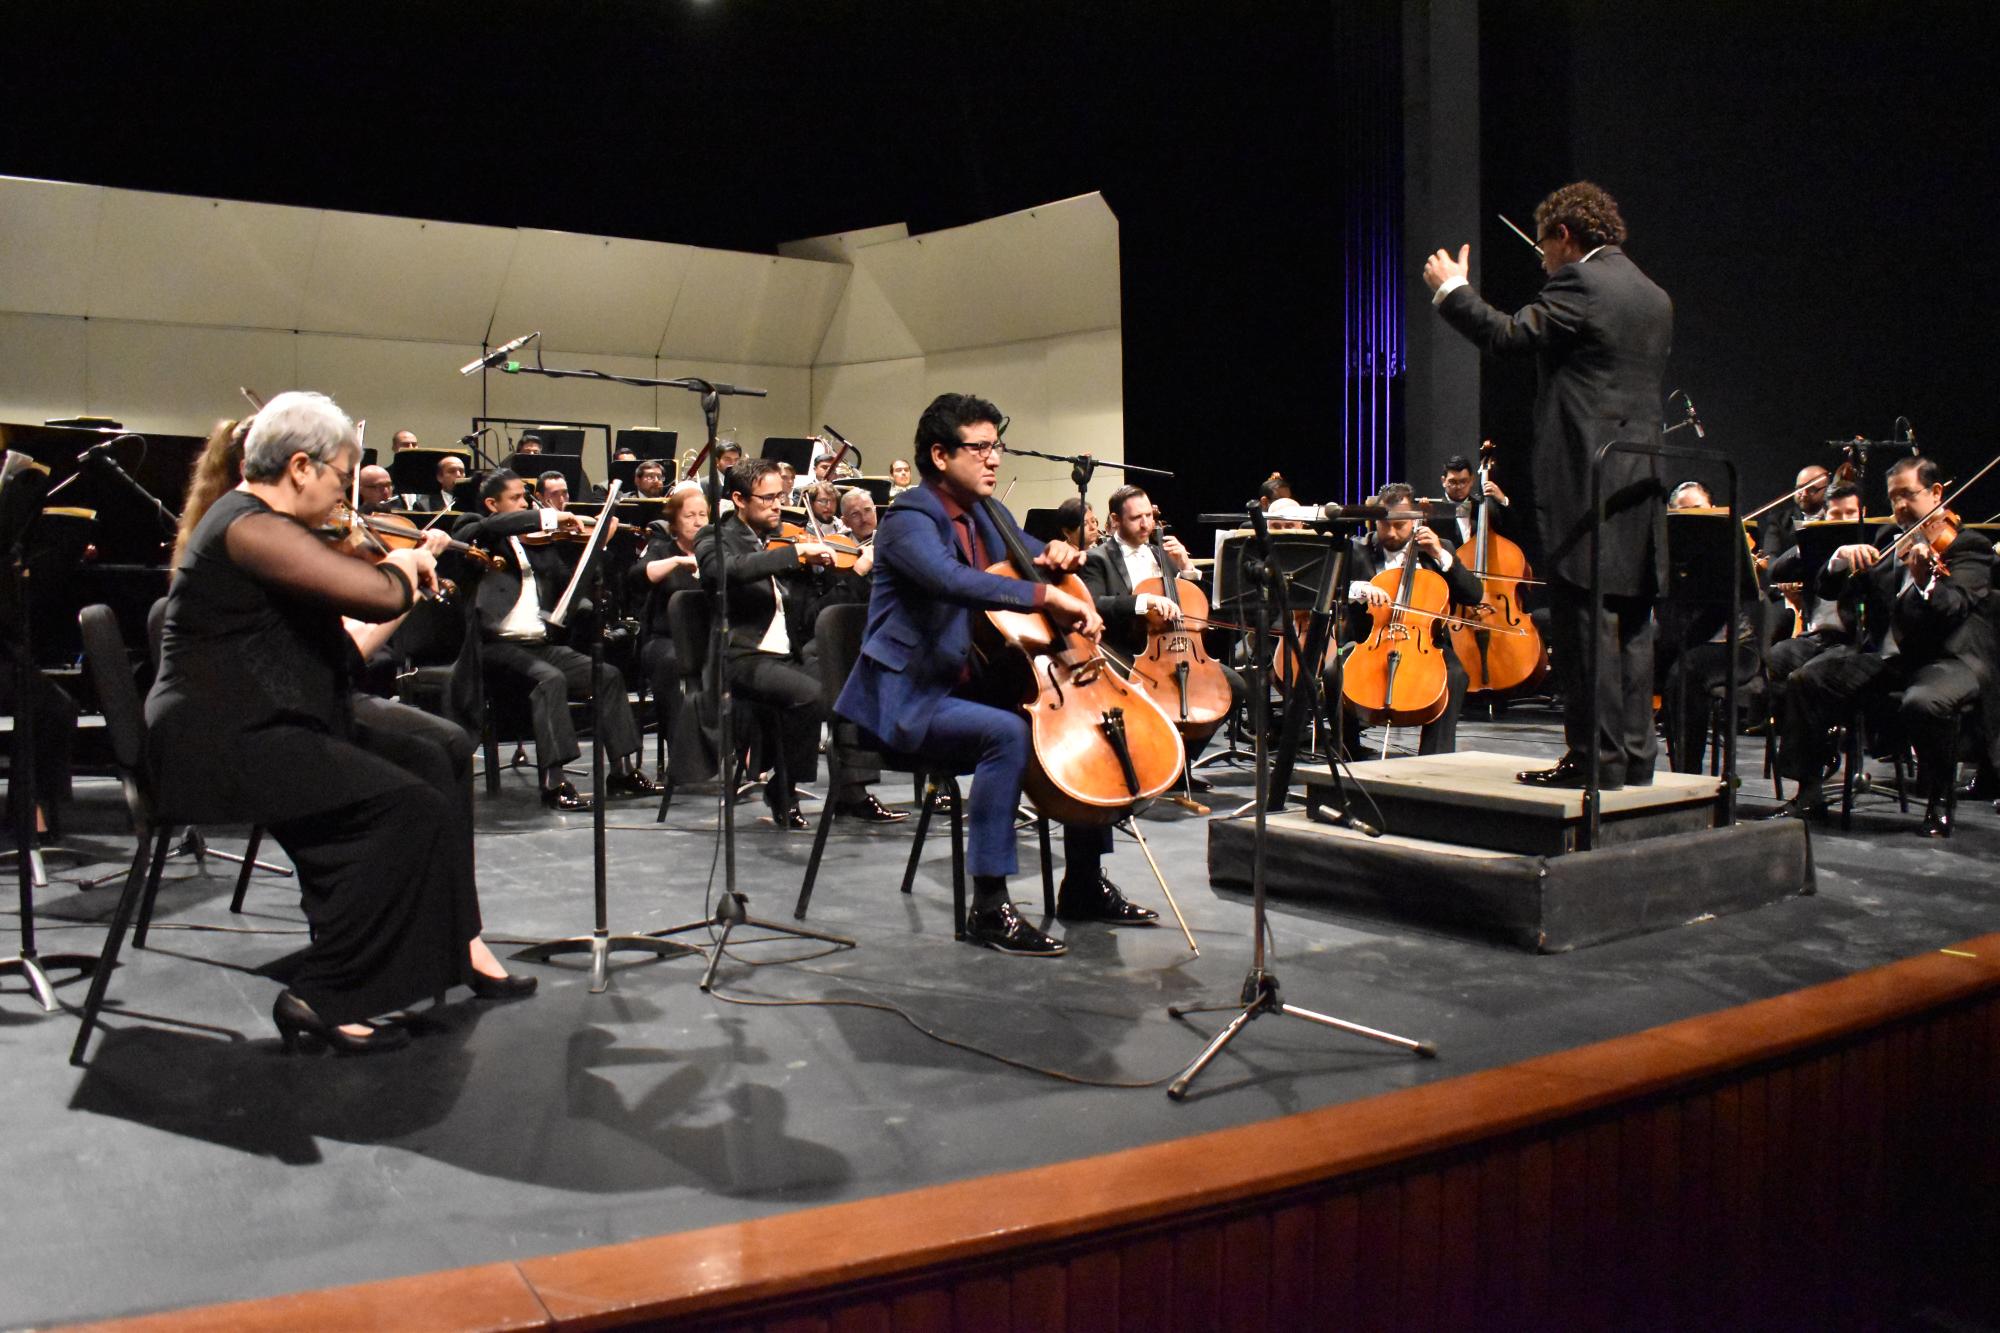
x: 647, y: 442
x: 23, y: 483
x: 1259, y: 995
x: 1701, y: 550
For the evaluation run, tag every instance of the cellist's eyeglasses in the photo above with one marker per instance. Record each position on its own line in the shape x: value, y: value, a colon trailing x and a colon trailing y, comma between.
x: 993, y: 450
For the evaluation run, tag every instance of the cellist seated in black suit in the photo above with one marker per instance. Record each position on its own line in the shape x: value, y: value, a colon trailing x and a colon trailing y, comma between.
x: 1394, y: 540
x: 1127, y: 558
x: 1923, y: 628
x: 512, y: 607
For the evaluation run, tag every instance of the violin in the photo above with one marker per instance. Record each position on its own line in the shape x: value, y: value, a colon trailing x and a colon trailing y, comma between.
x: 1100, y: 744
x: 846, y: 550
x: 1175, y: 668
x: 372, y: 537
x: 1497, y: 663
x: 1397, y: 676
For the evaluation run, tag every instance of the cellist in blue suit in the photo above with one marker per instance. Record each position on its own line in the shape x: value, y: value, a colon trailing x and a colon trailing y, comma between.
x: 914, y: 688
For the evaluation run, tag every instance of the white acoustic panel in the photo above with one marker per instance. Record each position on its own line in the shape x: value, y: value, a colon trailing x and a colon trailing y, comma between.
x: 786, y: 410
x: 1039, y: 273
x: 405, y: 278
x: 393, y: 385
x: 182, y: 379
x: 754, y: 309
x: 42, y: 368
x: 49, y: 228
x: 1084, y: 375
x: 590, y: 293
x: 839, y: 247
x: 875, y: 404
x: 538, y: 398
x: 177, y: 259
x: 865, y: 326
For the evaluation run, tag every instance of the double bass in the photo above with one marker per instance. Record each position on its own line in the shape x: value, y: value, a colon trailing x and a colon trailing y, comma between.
x: 1099, y: 744
x: 1513, y: 657
x: 1175, y: 668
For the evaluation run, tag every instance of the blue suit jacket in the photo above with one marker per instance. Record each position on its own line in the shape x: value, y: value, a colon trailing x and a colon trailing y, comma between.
x: 920, y: 611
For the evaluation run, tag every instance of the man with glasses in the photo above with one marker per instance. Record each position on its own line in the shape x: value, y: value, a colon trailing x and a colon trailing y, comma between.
x: 1599, y: 332
x: 770, y: 624
x: 914, y: 691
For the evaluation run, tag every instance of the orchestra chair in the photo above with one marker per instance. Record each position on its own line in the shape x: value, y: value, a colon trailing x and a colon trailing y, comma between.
x: 838, y: 633
x: 691, y: 618
x: 1765, y: 617
x: 1878, y: 717
x: 110, y: 667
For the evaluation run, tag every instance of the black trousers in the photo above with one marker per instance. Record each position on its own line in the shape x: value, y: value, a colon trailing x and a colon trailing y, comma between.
x: 55, y: 734
x: 663, y: 679
x: 791, y: 686
x: 1624, y: 638
x: 1685, y: 693
x: 1825, y: 692
x: 556, y: 674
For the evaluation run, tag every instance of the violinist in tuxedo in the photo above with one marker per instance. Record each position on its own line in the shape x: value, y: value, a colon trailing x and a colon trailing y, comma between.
x: 510, y: 613
x: 915, y: 689
x: 1828, y: 622
x: 1398, y: 539
x: 1921, y: 626
x: 773, y: 597
x: 1599, y: 332
x: 1114, y: 568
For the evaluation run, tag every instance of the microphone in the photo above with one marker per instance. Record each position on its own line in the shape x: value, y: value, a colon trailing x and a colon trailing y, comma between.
x: 498, y: 354
x: 1694, y: 418
x: 1363, y: 513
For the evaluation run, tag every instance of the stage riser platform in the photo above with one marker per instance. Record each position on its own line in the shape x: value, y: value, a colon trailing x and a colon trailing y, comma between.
x: 1539, y: 903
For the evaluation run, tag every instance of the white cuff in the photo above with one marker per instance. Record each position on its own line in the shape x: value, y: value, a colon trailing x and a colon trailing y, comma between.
x: 1354, y: 593
x: 1444, y: 558
x: 548, y: 518
x: 1446, y: 288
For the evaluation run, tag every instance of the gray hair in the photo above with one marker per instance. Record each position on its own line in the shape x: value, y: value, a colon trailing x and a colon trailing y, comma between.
x: 1688, y: 488
x: 295, y: 422
x: 851, y: 502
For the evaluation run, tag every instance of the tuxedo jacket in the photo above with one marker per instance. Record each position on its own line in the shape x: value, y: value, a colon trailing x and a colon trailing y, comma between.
x: 1110, y: 586
x: 918, y: 639
x: 1954, y: 620
x: 1599, y: 332
x: 1365, y: 560
x: 752, y: 600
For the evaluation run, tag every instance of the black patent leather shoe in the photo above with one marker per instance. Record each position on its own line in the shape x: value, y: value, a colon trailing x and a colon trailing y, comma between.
x: 1003, y: 930
x: 791, y: 820
x: 1937, y: 820
x: 870, y: 811
x: 299, y: 1028
x: 1571, y: 774
x: 1101, y: 902
x: 631, y: 783
x: 565, y: 797
x: 514, y: 987
x: 1812, y: 808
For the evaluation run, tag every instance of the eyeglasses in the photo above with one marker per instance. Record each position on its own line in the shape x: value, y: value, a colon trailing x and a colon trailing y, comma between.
x: 768, y: 497
x: 993, y: 450
x: 346, y: 475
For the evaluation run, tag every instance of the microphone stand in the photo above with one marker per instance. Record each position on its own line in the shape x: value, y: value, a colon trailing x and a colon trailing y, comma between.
x: 1259, y: 995
x: 1084, y: 466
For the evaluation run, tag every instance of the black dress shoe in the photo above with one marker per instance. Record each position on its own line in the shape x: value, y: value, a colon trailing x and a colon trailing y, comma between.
x: 515, y: 987
x: 1814, y: 809
x: 564, y: 796
x: 1002, y: 929
x: 1937, y: 820
x: 791, y: 819
x: 631, y: 783
x: 299, y: 1028
x: 1638, y: 776
x: 1100, y: 902
x: 869, y: 811
x: 1571, y: 774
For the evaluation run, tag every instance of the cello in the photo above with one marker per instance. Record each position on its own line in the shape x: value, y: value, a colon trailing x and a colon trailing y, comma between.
x: 1496, y: 663
x: 1099, y: 744
x: 1175, y: 669
x: 1397, y: 676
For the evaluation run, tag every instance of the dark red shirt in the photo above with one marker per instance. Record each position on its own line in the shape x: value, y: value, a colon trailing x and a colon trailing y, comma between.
x: 967, y: 533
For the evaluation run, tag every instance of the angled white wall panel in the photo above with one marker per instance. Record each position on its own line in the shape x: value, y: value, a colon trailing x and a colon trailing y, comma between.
x: 538, y: 398
x: 786, y: 411
x: 179, y: 259
x: 1038, y: 273
x: 865, y: 326
x: 42, y: 367
x: 753, y: 309
x: 182, y: 379
x: 1084, y: 377
x: 839, y: 247
x: 590, y: 293
x: 394, y: 385
x: 873, y: 403
x: 405, y: 278
x: 48, y: 228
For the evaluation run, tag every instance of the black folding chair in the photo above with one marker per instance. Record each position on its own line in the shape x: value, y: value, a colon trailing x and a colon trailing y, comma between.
x: 691, y: 619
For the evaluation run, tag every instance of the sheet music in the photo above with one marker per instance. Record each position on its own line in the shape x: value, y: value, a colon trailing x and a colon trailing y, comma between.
x: 591, y: 551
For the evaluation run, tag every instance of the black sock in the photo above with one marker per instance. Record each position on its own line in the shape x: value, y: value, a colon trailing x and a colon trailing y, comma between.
x: 988, y: 892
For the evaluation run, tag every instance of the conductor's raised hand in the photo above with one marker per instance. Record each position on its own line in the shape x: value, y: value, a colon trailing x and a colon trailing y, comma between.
x: 1441, y: 266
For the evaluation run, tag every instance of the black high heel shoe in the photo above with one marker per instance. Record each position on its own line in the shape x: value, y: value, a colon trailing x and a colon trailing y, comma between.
x: 514, y: 987
x: 298, y: 1026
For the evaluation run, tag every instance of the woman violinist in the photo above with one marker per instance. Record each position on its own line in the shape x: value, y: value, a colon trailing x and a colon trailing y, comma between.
x: 1376, y: 569
x: 253, y: 720
x: 667, y: 567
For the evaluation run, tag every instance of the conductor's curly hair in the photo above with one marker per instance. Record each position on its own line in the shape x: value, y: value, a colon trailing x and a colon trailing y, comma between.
x: 1590, y: 214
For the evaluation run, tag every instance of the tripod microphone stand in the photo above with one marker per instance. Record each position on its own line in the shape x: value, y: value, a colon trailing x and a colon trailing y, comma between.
x: 1260, y: 986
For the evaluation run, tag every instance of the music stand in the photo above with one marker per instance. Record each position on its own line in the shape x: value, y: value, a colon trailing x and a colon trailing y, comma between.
x: 23, y: 483
x: 600, y: 944
x: 1701, y: 549
x: 530, y: 467
x: 648, y: 442
x: 791, y: 449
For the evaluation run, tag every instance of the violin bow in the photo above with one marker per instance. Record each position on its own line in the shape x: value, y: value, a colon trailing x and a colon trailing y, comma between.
x: 1940, y: 507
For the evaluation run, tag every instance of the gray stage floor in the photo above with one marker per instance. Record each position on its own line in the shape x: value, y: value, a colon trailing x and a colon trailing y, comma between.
x: 193, y: 1162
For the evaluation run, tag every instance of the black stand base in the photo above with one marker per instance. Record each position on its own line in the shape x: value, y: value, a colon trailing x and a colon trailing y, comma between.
x: 1260, y: 996
x: 600, y: 945
x: 734, y: 911
x: 194, y: 844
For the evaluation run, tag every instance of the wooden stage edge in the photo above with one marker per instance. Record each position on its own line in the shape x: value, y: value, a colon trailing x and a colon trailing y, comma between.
x: 1616, y: 1184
